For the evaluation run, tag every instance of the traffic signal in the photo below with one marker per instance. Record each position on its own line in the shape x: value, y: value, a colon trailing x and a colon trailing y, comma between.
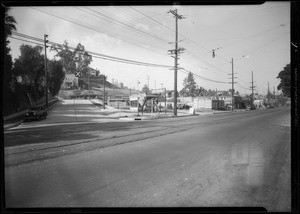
x: 46, y: 40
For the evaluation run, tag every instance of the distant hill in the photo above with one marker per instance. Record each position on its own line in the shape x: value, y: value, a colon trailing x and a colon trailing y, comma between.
x: 95, y: 82
x: 96, y: 89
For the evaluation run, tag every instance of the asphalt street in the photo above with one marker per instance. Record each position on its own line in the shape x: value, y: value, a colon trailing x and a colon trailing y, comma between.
x: 80, y: 158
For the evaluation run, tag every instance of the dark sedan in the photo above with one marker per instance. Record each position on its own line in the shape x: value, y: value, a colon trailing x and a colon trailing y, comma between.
x: 36, y: 113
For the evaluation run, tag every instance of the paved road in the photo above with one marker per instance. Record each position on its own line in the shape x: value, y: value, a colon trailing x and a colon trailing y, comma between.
x: 236, y: 159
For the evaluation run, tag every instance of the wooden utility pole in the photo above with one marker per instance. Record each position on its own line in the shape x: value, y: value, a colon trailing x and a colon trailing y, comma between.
x: 103, y: 91
x: 268, y: 95
x: 46, y: 68
x: 232, y: 85
x: 89, y: 82
x: 252, y: 89
x: 176, y: 51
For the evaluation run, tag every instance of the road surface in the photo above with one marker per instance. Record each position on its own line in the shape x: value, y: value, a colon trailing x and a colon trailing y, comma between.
x: 233, y: 159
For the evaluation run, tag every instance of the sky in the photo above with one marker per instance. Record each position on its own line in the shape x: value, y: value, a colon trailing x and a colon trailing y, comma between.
x: 254, y: 37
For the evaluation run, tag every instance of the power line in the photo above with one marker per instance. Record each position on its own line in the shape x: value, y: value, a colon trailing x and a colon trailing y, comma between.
x: 106, y: 58
x: 201, y: 77
x: 254, y: 35
x: 25, y: 40
x: 109, y: 19
x: 98, y: 55
x: 152, y: 19
x: 85, y: 26
x: 264, y: 45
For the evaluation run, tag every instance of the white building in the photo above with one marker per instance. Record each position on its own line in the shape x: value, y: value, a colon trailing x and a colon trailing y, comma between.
x: 70, y: 81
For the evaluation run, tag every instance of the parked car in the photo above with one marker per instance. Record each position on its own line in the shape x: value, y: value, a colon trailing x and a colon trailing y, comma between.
x: 183, y: 106
x: 228, y: 107
x: 36, y: 113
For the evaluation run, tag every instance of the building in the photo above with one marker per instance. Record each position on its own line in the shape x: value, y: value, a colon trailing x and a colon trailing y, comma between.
x: 136, y: 100
x: 70, y: 82
x: 118, y: 102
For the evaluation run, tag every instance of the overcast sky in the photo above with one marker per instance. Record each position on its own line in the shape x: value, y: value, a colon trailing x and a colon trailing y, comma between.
x: 257, y: 37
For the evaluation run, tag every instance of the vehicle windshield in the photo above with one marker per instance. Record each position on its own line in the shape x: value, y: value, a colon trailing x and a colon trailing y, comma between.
x: 35, y: 108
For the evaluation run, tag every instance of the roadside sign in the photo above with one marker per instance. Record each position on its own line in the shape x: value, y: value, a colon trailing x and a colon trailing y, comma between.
x: 77, y: 73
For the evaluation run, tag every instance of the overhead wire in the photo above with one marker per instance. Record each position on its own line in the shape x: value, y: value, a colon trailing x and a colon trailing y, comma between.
x: 114, y: 21
x: 97, y: 55
x: 106, y: 57
x: 24, y: 40
x: 263, y: 45
x: 180, y: 34
x: 125, y: 13
x: 85, y: 26
x: 244, y: 11
x: 254, y: 35
x: 203, y: 46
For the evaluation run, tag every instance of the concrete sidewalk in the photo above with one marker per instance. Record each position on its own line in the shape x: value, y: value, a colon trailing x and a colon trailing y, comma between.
x: 126, y: 114
x: 16, y: 119
x: 119, y: 114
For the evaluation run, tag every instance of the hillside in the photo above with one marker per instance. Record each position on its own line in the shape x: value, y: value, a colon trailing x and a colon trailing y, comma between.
x: 95, y: 82
x: 96, y: 89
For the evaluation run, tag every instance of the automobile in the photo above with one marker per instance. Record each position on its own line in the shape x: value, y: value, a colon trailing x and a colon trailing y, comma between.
x: 183, y: 106
x: 36, y: 113
x: 228, y: 107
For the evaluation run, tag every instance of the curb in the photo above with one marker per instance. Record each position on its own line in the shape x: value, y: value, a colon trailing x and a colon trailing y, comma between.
x: 155, y: 117
x: 5, y: 127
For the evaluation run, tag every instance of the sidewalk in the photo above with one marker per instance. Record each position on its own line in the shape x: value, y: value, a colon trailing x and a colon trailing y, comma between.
x: 17, y: 118
x: 126, y: 114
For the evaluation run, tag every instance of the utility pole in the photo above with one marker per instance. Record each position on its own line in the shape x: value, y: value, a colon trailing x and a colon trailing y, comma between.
x: 113, y: 87
x: 268, y: 95
x: 252, y: 89
x: 232, y: 85
x: 148, y: 82
x: 46, y: 69
x: 89, y: 82
x: 138, y: 99
x: 104, y: 92
x: 176, y: 51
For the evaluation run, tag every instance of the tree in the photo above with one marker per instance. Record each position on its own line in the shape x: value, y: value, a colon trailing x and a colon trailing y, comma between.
x: 56, y: 76
x: 30, y: 65
x: 189, y: 86
x: 97, y: 73
x: 145, y: 89
x: 285, y: 80
x: 73, y: 60
x: 9, y: 26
